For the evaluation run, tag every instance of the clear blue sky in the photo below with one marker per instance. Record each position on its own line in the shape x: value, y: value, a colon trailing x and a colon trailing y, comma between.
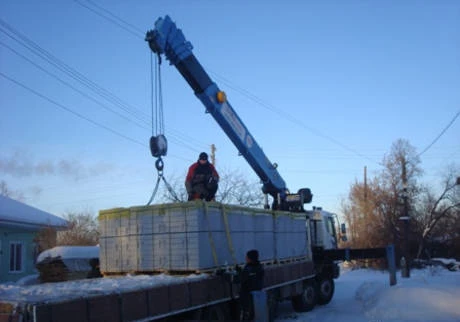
x: 339, y: 81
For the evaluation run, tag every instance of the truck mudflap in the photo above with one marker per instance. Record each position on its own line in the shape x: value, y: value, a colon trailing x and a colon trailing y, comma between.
x: 259, y: 299
x: 335, y: 270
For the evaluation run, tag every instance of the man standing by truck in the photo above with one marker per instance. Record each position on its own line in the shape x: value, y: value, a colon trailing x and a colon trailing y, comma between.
x: 251, y: 279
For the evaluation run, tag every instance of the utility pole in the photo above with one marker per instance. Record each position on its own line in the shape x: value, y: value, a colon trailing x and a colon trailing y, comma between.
x: 405, y: 261
x: 365, y: 185
x: 213, y: 154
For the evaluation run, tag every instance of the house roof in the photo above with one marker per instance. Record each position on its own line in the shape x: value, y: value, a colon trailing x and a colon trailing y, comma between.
x: 17, y: 214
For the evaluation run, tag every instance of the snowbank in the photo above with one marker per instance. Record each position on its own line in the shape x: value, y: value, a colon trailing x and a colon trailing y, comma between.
x: 363, y: 295
x: 422, y: 297
x: 70, y: 252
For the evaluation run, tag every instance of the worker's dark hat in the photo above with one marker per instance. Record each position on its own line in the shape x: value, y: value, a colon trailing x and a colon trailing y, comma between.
x: 203, y: 156
x: 253, y: 255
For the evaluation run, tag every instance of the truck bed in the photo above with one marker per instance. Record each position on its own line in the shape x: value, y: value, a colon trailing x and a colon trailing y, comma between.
x: 139, y: 301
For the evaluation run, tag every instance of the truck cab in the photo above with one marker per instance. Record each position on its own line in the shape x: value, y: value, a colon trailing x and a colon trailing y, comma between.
x: 322, y: 228
x: 324, y: 237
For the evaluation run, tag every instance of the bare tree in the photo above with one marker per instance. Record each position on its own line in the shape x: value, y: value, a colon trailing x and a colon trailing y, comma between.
x: 82, y: 230
x: 6, y: 191
x: 434, y: 210
x: 400, y: 180
x: 45, y: 238
x: 175, y: 190
x: 373, y: 209
x: 234, y: 188
x: 366, y: 212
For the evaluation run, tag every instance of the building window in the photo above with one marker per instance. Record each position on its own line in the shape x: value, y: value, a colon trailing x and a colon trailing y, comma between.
x: 16, y: 251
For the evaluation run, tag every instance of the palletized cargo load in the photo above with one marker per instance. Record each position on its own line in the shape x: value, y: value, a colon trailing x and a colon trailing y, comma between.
x: 197, y: 236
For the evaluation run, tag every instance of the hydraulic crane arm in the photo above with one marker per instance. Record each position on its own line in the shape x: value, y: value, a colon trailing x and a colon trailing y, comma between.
x: 167, y: 39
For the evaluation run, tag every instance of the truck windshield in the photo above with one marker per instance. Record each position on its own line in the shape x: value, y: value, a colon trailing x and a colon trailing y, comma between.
x: 330, y: 226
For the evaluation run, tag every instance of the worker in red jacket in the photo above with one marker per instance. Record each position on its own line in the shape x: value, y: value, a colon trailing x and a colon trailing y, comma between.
x: 202, y: 179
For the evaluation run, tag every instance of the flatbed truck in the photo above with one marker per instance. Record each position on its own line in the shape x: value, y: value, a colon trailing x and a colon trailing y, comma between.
x: 305, y: 281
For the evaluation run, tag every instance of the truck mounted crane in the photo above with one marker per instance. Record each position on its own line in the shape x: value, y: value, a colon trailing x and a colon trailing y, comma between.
x: 300, y: 245
x: 167, y: 39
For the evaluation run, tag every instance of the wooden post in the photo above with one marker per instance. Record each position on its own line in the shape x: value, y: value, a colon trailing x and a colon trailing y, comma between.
x: 391, y: 264
x: 213, y: 154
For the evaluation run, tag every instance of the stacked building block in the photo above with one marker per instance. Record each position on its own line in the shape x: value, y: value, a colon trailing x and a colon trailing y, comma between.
x: 196, y: 236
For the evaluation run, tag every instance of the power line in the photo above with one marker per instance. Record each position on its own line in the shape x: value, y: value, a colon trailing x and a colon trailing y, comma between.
x: 70, y: 86
x: 248, y: 94
x: 70, y: 110
x: 63, y: 67
x: 178, y: 140
x: 289, y: 117
x: 115, y: 19
x: 44, y: 97
x: 440, y: 134
x: 69, y: 71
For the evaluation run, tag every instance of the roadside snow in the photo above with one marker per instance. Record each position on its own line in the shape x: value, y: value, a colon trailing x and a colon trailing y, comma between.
x: 431, y: 294
x: 70, y: 252
x: 29, y: 280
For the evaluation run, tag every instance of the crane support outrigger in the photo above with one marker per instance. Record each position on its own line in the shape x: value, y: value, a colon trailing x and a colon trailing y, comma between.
x: 167, y: 39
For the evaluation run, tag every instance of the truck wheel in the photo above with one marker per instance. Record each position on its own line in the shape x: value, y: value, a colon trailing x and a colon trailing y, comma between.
x: 325, y: 290
x: 306, y: 301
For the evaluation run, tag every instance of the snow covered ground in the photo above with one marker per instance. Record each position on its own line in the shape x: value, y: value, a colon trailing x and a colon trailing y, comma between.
x: 431, y: 294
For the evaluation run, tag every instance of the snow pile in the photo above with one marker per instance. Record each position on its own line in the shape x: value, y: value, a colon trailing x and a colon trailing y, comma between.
x: 422, y: 297
x: 363, y: 295
x: 449, y: 263
x: 369, y: 292
x: 29, y: 280
x: 69, y: 252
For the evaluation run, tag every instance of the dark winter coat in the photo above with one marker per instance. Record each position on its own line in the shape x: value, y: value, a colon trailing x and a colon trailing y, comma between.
x: 201, y: 181
x: 251, y: 279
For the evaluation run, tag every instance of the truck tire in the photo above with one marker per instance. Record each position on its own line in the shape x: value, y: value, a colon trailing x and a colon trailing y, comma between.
x: 326, y: 289
x: 306, y: 301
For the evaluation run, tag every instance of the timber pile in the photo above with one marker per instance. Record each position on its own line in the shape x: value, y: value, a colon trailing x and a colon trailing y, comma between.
x: 56, y: 269
x: 52, y: 269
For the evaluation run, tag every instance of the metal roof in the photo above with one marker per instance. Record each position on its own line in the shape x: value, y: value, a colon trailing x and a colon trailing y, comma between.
x: 20, y: 215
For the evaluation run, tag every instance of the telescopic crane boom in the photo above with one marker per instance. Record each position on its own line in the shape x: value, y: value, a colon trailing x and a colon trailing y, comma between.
x: 167, y: 39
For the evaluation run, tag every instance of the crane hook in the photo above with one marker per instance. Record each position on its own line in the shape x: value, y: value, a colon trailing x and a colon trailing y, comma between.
x: 159, y: 165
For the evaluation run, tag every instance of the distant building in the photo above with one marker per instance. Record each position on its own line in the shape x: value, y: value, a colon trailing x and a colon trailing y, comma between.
x: 19, y: 225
